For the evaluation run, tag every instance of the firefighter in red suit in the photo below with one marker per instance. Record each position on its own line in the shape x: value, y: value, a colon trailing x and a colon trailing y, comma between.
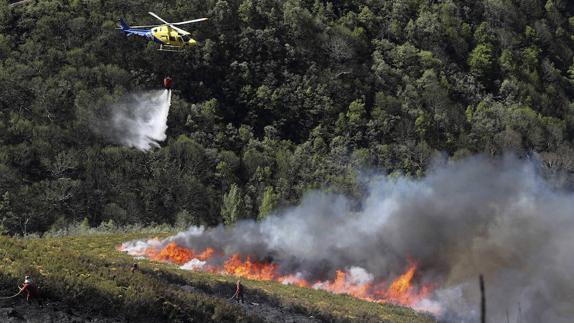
x: 30, y: 290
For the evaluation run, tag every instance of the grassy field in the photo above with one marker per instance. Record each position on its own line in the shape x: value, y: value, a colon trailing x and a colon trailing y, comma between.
x: 87, y: 273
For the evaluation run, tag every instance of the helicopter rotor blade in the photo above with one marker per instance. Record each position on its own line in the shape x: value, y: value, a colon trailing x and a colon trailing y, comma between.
x: 189, y: 21
x: 158, y: 18
x: 179, y: 30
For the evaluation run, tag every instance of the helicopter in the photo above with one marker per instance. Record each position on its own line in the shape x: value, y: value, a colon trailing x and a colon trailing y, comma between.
x: 169, y: 37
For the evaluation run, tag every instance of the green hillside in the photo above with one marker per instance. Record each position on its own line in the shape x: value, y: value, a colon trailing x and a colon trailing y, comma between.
x: 87, y: 276
x: 278, y: 98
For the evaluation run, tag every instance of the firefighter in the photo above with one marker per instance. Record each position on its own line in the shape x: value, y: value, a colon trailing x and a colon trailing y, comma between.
x: 30, y: 289
x: 239, y: 292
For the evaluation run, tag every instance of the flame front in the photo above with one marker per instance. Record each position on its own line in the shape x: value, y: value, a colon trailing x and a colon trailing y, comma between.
x: 249, y: 269
x: 176, y: 254
x: 401, y: 290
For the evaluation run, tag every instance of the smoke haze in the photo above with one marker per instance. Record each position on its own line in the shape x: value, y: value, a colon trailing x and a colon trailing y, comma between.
x: 495, y: 217
x: 138, y: 120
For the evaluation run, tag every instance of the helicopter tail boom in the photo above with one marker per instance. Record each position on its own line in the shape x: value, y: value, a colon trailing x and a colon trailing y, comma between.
x: 123, y: 24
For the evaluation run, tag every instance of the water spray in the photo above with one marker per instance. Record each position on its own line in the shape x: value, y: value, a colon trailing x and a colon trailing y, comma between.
x: 137, y: 120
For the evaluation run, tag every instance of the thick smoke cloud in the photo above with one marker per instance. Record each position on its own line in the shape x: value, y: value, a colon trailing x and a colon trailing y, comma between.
x: 498, y: 218
x: 138, y: 120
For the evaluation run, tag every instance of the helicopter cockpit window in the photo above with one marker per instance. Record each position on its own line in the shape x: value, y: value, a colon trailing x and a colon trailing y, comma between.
x: 171, y: 38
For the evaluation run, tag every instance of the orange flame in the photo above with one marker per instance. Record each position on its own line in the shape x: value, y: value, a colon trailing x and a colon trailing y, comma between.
x: 250, y: 269
x: 206, y: 254
x: 343, y: 285
x: 178, y: 255
x: 293, y: 280
x: 399, y: 291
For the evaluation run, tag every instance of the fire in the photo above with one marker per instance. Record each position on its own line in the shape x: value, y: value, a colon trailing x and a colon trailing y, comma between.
x: 400, y: 290
x: 293, y: 280
x: 355, y: 282
x: 344, y: 284
x: 250, y: 269
x: 178, y: 255
x: 402, y: 283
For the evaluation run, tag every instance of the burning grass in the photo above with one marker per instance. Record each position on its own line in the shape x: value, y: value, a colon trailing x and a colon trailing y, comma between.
x: 88, y: 274
x: 354, y: 281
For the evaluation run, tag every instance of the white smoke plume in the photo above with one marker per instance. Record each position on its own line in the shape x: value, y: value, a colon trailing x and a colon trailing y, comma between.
x: 495, y: 217
x: 138, y: 120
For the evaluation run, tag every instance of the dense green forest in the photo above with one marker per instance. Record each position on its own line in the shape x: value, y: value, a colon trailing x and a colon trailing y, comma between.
x: 278, y: 98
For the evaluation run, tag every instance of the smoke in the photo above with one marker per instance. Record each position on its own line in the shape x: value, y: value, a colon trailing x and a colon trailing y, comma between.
x: 138, y: 120
x: 495, y: 217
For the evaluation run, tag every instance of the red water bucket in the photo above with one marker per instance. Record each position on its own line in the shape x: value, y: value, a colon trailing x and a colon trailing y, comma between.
x: 167, y: 82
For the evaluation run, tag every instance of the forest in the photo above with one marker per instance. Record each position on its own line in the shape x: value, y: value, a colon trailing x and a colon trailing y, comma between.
x: 277, y: 99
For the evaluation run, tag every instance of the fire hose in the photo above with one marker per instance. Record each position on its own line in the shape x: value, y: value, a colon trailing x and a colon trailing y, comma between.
x: 232, y: 297
x: 11, y: 296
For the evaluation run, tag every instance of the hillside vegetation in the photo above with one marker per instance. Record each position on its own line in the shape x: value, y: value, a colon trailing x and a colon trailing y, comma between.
x: 278, y: 98
x: 87, y: 274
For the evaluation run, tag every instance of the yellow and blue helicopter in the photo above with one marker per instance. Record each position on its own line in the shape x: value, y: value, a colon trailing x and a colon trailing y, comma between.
x: 169, y: 37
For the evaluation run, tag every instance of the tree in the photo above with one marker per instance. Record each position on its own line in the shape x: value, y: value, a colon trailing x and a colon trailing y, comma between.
x: 268, y: 203
x: 279, y: 97
x: 481, y: 61
x: 232, y: 208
